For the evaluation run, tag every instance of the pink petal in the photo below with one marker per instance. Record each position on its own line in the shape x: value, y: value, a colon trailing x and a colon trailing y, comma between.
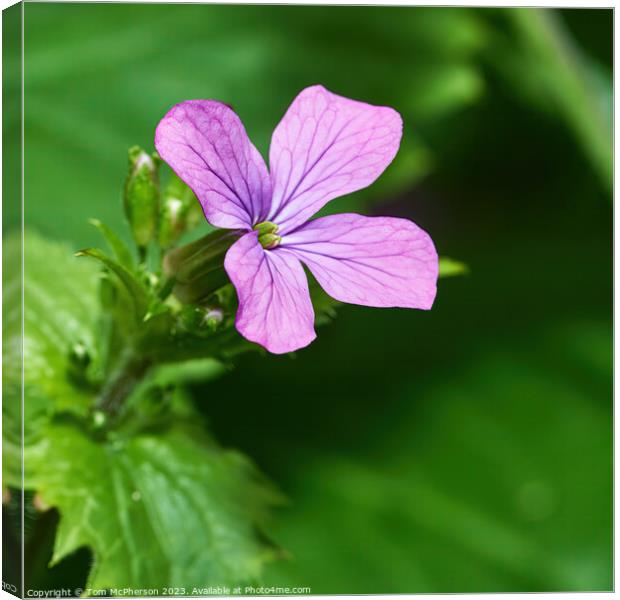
x: 274, y: 303
x: 205, y: 143
x: 324, y: 147
x: 373, y: 261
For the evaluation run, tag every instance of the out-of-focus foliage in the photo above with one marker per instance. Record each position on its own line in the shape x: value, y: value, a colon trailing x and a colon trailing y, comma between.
x: 483, y: 498
x: 463, y: 449
x: 449, y: 267
x: 543, y: 63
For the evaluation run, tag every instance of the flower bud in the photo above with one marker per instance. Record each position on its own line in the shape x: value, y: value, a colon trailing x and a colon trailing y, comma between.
x: 198, y: 268
x: 191, y: 318
x: 199, y: 319
x: 214, y: 317
x: 180, y: 212
x: 141, y: 199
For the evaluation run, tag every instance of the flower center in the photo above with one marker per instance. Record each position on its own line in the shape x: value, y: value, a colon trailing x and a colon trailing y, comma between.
x: 267, y: 234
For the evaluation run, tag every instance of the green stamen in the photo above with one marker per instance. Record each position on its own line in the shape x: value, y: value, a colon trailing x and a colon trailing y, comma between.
x: 267, y: 234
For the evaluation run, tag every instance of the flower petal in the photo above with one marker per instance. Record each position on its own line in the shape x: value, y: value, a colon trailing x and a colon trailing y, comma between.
x: 275, y: 310
x: 324, y: 147
x: 205, y: 143
x: 373, y: 261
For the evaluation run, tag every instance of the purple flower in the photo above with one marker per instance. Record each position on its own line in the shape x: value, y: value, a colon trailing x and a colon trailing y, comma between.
x: 324, y: 147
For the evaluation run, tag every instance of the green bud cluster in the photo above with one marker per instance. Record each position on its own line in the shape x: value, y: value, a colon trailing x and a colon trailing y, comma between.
x: 192, y: 271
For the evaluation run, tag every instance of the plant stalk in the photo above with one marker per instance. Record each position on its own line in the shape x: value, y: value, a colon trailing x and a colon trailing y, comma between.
x: 131, y: 371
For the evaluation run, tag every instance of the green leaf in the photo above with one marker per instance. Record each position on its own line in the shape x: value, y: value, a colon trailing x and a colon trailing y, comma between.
x: 120, y: 249
x: 60, y: 295
x: 449, y: 267
x: 161, y: 508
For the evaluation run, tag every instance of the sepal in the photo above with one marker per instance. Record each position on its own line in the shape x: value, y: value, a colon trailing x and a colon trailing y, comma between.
x: 198, y: 268
x: 118, y: 247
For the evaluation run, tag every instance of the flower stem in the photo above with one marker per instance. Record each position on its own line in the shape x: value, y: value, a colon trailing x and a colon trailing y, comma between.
x: 166, y: 288
x: 142, y: 255
x: 131, y: 371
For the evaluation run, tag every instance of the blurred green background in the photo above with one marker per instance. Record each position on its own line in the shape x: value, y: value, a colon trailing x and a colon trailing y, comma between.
x: 466, y: 449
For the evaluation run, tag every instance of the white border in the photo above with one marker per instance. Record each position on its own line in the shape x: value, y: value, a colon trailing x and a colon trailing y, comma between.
x: 457, y: 3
